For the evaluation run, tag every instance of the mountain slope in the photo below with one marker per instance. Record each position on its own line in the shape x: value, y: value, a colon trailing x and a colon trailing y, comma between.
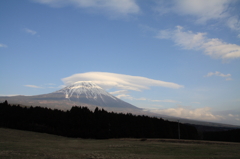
x: 84, y: 93
x: 90, y: 93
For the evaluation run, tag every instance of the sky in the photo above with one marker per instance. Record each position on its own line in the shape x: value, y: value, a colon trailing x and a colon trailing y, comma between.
x: 178, y: 58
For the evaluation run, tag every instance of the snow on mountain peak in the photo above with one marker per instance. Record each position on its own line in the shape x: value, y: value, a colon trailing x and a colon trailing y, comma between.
x: 87, y: 88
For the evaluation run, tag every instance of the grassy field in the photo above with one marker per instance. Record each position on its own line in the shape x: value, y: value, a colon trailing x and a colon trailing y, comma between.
x: 16, y: 144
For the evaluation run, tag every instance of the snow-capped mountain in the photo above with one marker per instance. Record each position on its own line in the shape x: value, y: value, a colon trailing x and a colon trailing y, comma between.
x: 89, y: 93
x: 85, y: 89
x: 86, y: 93
x: 82, y: 93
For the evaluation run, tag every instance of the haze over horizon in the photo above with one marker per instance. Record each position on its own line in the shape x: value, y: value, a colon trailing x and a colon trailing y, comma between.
x: 178, y: 58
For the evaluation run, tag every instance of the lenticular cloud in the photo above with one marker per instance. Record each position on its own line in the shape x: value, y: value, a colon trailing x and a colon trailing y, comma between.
x: 112, y: 80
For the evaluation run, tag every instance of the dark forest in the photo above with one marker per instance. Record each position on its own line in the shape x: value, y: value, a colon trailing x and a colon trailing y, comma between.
x: 80, y: 122
x: 83, y: 123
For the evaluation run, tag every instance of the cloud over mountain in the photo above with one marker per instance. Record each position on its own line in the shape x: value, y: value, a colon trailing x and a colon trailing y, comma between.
x: 120, y: 81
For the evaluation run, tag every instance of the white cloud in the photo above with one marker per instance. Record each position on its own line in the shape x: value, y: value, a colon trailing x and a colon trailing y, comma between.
x: 127, y: 96
x: 234, y: 23
x: 121, y: 7
x: 120, y: 81
x: 123, y: 94
x: 3, y: 45
x: 227, y: 76
x: 118, y: 92
x: 198, y: 113
x: 218, y: 74
x: 205, y: 114
x: 32, y: 32
x: 198, y: 41
x: 202, y: 10
x: 32, y: 86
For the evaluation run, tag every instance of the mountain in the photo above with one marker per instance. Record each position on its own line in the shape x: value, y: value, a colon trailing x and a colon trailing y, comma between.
x: 86, y: 93
x: 83, y: 93
x: 89, y: 93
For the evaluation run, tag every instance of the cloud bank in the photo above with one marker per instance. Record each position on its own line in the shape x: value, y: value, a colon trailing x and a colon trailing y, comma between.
x: 198, y: 113
x: 120, y: 81
x: 122, y: 7
x: 215, y: 48
x: 204, y: 114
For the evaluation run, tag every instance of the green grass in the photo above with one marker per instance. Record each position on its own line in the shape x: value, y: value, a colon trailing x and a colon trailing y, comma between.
x: 16, y: 144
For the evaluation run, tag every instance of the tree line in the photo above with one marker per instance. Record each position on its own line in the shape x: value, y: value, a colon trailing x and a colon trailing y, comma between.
x: 229, y: 135
x: 97, y: 124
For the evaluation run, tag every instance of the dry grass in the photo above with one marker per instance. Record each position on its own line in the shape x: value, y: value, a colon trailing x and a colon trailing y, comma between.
x: 16, y: 144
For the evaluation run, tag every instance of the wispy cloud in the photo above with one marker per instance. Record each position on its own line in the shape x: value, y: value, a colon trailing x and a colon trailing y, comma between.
x: 32, y: 32
x: 215, y: 48
x: 119, y: 92
x: 127, y: 96
x: 217, y: 74
x: 202, y: 10
x: 119, y: 7
x: 234, y: 23
x: 123, y: 94
x: 3, y: 45
x: 236, y: 117
x: 227, y: 76
x: 32, y: 86
x: 119, y: 81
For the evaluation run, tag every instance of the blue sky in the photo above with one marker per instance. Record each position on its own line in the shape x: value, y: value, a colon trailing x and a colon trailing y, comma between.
x: 179, y: 58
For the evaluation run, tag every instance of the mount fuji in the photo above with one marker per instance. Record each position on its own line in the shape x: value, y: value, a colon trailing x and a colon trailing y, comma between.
x: 88, y: 94
x: 82, y: 93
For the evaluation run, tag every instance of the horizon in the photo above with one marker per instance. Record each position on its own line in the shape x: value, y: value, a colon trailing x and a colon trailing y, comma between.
x: 177, y: 58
